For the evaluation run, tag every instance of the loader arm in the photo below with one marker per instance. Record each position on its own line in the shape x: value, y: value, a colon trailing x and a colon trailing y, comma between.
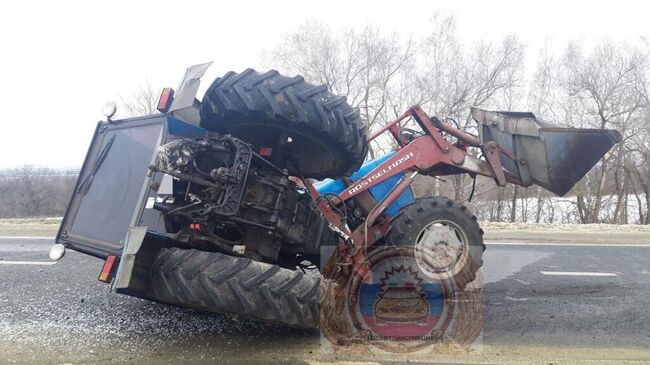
x: 516, y: 147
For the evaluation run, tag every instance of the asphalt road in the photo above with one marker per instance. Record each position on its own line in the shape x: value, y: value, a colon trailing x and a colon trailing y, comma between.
x: 554, y: 303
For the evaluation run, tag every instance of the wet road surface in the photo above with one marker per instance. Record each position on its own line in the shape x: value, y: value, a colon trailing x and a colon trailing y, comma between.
x: 588, y: 300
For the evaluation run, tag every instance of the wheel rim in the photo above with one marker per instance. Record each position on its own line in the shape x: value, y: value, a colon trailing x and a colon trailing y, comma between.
x: 443, y: 245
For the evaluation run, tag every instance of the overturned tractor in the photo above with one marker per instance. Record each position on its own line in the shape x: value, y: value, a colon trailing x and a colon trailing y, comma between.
x: 229, y: 204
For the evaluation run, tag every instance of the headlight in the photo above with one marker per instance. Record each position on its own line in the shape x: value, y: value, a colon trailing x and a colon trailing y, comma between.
x: 109, y: 110
x: 57, y: 251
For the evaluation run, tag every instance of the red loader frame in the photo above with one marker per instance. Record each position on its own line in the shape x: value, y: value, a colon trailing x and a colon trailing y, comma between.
x: 429, y: 154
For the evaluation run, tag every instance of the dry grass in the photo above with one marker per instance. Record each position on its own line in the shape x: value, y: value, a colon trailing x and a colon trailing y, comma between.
x: 29, y: 226
x: 590, y: 233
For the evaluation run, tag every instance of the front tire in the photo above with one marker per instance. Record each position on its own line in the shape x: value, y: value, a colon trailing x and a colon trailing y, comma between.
x: 445, y: 234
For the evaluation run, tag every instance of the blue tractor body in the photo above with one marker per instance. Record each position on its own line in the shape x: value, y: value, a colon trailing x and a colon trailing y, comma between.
x: 378, y: 191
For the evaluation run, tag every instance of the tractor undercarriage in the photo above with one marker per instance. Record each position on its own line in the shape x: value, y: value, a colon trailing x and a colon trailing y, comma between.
x: 230, y: 199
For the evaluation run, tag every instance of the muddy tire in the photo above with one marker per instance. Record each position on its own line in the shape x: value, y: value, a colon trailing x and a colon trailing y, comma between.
x: 225, y: 284
x: 312, y: 132
x: 445, y: 233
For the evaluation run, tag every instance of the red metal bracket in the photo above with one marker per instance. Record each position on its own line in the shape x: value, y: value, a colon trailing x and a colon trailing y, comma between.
x: 429, y: 154
x: 491, y: 152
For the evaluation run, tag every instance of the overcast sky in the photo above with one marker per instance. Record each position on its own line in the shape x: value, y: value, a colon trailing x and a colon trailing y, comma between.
x: 62, y: 61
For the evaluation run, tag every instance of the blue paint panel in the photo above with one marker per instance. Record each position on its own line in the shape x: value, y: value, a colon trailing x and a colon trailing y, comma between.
x: 181, y: 128
x: 379, y: 191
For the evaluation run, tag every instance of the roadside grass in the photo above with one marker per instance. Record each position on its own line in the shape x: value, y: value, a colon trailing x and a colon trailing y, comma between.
x: 42, y: 226
x: 494, y: 231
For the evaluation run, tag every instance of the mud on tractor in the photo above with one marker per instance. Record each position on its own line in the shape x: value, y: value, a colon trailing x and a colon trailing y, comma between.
x: 225, y: 204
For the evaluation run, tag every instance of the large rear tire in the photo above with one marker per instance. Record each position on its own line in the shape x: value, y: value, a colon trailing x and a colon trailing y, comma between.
x: 311, y: 132
x: 445, y: 234
x: 225, y: 284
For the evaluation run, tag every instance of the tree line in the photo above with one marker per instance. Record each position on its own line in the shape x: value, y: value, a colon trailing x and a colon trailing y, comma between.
x: 602, y: 86
x: 605, y: 85
x: 29, y: 191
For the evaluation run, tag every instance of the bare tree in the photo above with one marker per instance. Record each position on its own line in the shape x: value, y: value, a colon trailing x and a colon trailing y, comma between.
x: 142, y: 102
x: 453, y: 78
x: 28, y: 191
x: 638, y: 154
x: 361, y: 65
x: 602, y: 92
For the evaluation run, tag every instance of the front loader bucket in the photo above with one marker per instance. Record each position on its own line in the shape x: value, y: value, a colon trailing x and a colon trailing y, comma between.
x: 541, y: 153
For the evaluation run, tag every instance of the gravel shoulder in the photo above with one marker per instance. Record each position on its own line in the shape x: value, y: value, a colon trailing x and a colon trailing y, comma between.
x: 25, y: 227
x: 501, y: 232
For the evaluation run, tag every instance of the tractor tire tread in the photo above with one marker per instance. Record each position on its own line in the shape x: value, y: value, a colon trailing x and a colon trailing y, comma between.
x: 291, y: 101
x: 226, y: 284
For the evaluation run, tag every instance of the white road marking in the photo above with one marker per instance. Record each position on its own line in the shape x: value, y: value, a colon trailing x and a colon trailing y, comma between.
x: 27, y: 262
x: 25, y: 238
x: 537, y: 299
x: 513, y: 299
x: 576, y: 273
x: 495, y: 243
